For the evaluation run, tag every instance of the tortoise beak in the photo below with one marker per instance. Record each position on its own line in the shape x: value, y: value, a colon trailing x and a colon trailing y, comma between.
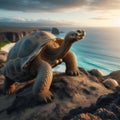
x: 80, y: 34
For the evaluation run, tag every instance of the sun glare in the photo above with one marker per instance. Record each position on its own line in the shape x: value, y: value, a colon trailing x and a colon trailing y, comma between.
x: 117, y: 22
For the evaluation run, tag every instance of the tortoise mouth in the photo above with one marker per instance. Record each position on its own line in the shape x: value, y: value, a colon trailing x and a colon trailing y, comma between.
x: 80, y: 34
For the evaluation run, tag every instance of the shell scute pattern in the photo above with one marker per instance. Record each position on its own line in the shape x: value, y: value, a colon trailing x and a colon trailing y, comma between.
x: 32, y: 58
x: 25, y: 51
x: 27, y: 47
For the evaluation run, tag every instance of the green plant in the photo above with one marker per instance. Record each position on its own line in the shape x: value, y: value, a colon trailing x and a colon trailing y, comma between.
x: 3, y: 43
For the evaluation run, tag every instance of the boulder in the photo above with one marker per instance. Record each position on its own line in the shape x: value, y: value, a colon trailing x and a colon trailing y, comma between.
x: 96, y: 75
x: 114, y: 75
x: 96, y: 72
x: 55, y: 30
x: 111, y: 83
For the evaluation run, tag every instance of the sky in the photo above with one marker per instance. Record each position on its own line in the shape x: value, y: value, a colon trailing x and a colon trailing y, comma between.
x: 84, y: 13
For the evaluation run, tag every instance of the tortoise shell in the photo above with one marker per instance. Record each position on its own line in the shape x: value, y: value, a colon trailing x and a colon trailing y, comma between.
x: 24, y: 51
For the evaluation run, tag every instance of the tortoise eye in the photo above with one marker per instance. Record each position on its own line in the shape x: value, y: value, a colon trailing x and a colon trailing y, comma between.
x: 74, y: 34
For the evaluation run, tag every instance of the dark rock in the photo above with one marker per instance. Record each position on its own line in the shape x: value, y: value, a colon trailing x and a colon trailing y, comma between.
x: 107, y: 107
x: 11, y: 36
x: 69, y: 92
x: 105, y: 100
x: 105, y: 114
x: 55, y: 30
x: 86, y: 116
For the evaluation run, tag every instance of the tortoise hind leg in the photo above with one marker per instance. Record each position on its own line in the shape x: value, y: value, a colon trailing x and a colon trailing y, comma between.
x: 9, y: 86
x: 71, y: 64
x: 42, y: 83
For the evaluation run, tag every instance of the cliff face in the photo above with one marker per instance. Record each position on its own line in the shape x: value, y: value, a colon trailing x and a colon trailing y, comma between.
x: 12, y: 36
x: 15, y: 33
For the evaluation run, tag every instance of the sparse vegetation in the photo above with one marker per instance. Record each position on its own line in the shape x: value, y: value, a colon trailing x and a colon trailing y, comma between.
x: 3, y: 43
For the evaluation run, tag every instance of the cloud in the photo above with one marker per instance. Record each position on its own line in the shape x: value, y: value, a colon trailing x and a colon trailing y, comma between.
x: 101, y: 18
x: 57, y: 5
x: 104, y: 4
x: 32, y: 23
x: 13, y: 20
x: 41, y: 5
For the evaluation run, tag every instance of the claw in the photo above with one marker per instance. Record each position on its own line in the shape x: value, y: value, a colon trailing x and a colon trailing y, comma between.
x: 73, y: 72
x: 45, y: 96
x: 10, y: 90
x: 45, y: 99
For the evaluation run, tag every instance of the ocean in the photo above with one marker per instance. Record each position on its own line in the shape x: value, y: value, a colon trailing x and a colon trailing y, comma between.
x: 100, y: 49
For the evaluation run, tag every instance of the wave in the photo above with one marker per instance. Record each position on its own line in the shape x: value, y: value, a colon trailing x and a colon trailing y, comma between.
x: 99, y: 49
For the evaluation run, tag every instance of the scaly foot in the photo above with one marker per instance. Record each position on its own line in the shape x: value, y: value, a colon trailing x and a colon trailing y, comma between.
x: 9, y: 90
x: 74, y: 72
x: 45, y: 96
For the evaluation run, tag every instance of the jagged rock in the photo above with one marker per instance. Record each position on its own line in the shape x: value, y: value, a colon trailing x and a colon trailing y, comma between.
x: 69, y: 93
x: 55, y: 30
x: 105, y: 114
x: 107, y: 107
x: 86, y: 116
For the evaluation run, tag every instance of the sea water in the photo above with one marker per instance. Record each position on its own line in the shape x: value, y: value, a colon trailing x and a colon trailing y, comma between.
x: 100, y: 49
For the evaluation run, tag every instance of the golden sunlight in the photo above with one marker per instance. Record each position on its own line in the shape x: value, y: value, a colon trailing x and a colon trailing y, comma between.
x: 117, y: 22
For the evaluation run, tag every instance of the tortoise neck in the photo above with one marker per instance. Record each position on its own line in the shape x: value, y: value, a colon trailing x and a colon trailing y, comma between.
x: 54, y: 50
x: 63, y: 49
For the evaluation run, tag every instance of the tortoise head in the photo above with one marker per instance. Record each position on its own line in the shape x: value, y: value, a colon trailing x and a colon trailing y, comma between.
x: 74, y: 36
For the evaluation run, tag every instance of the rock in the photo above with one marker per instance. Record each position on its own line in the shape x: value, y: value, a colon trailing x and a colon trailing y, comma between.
x: 86, y: 116
x: 107, y: 107
x: 3, y: 57
x: 111, y: 83
x: 69, y: 92
x: 114, y: 75
x: 12, y: 36
x: 55, y: 30
x: 105, y: 114
x: 96, y: 73
x: 84, y: 71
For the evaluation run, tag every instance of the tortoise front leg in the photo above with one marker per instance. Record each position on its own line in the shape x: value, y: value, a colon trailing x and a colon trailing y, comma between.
x: 9, y: 86
x: 43, y: 82
x: 71, y: 64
